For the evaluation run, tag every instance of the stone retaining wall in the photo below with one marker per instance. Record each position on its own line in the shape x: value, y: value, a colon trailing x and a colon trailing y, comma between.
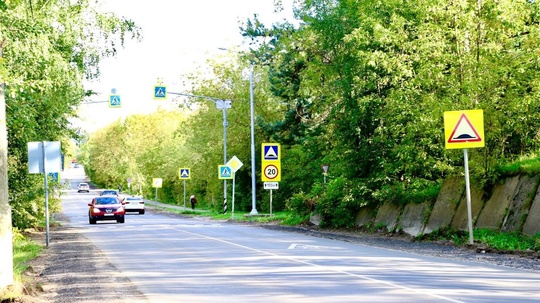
x: 513, y: 206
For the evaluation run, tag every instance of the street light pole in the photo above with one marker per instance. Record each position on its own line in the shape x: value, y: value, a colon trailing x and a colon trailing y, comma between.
x: 252, y: 114
x: 252, y: 126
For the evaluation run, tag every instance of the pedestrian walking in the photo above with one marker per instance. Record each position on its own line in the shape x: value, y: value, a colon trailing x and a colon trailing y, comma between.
x: 193, y: 201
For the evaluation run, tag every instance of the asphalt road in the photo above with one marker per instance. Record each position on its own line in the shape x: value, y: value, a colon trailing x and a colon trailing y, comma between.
x: 171, y: 259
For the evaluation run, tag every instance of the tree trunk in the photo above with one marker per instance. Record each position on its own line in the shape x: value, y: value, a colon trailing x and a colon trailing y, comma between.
x: 6, y: 236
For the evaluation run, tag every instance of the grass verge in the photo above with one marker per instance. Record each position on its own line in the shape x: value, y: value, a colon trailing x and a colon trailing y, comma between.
x: 24, y: 250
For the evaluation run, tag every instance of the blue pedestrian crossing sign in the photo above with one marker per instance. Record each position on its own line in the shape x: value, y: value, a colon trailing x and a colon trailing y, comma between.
x: 225, y: 172
x: 183, y: 173
x: 114, y: 101
x: 270, y: 152
x: 55, y: 176
x: 160, y: 92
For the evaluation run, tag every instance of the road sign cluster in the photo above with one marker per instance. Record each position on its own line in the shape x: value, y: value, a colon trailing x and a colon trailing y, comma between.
x: 271, y: 162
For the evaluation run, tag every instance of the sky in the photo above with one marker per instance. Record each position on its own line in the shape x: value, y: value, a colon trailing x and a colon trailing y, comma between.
x: 178, y: 37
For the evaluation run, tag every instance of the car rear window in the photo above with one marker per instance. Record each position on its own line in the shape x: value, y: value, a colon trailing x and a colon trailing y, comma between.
x: 83, y: 184
x: 102, y: 201
x: 133, y: 199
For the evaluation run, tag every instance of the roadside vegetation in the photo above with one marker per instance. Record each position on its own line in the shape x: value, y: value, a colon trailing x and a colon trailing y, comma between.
x: 366, y: 97
x: 24, y: 250
x: 361, y: 86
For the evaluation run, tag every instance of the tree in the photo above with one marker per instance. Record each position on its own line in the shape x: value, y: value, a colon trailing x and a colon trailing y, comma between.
x: 369, y: 82
x: 50, y: 48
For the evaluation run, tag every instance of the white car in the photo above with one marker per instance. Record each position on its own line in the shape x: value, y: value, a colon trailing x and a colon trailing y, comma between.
x: 133, y: 203
x: 83, y: 187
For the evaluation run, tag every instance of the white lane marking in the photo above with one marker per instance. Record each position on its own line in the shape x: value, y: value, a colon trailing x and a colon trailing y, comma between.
x: 312, y: 247
x: 323, y: 267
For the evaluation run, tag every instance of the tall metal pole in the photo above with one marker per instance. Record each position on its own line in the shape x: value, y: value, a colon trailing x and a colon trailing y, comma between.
x: 468, y: 192
x: 184, y: 194
x: 253, y: 176
x: 252, y: 124
x: 224, y: 155
x: 46, y: 185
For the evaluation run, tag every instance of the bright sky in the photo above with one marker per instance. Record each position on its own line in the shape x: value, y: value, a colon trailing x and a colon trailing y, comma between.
x: 178, y: 37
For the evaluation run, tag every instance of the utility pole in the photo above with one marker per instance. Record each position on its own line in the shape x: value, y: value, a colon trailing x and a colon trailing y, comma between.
x: 6, y: 233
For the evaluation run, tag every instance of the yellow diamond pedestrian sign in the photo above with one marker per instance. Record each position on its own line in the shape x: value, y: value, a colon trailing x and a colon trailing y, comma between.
x: 184, y: 173
x: 225, y: 172
x: 464, y: 129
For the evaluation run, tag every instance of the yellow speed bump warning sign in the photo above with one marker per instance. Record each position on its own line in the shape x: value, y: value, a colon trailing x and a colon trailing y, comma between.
x: 464, y: 129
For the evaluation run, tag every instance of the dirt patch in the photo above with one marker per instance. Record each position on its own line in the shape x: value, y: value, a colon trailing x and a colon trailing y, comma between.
x: 71, y: 268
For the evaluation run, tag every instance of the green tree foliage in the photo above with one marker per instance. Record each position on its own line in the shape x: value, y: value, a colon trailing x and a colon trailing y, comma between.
x: 140, y: 147
x: 49, y: 48
x: 367, y: 83
x: 360, y: 85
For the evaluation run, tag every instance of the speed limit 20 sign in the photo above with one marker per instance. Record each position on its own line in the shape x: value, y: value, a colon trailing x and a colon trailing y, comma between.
x: 271, y: 172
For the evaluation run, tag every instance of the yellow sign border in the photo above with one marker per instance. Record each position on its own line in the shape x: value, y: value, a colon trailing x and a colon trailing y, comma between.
x: 219, y: 172
x: 157, y: 182
x: 119, y: 99
x: 276, y: 164
x: 451, y: 120
x: 179, y: 173
x: 160, y: 98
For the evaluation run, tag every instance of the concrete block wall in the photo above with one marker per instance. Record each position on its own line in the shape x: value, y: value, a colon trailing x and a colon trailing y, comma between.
x: 514, y: 206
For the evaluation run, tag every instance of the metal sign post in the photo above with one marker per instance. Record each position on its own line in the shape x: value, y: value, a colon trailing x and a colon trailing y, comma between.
x: 44, y: 158
x: 184, y: 173
x: 232, y: 205
x: 235, y: 164
x: 271, y: 186
x: 270, y: 202
x: 465, y: 129
x: 45, y: 182
x: 325, y: 171
x: 157, y: 183
x: 184, y: 194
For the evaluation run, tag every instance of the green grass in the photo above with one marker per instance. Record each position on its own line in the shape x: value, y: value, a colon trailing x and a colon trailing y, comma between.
x: 24, y: 249
x: 496, y: 240
x: 525, y: 165
x: 507, y: 241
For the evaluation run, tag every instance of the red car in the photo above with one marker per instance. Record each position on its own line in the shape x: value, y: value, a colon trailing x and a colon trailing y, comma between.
x: 106, y: 208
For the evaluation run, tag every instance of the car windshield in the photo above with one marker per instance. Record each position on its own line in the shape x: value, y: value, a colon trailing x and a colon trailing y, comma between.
x: 102, y: 201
